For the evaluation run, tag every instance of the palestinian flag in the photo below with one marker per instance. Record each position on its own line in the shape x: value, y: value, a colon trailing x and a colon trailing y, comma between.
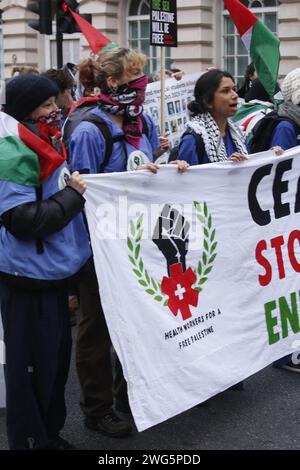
x: 24, y: 157
x: 261, y: 43
x: 249, y: 114
x: 97, y: 41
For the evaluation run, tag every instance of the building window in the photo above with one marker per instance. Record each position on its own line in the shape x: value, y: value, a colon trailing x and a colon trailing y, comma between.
x: 138, y: 22
x: 235, y: 55
x: 71, y: 51
x: 71, y: 48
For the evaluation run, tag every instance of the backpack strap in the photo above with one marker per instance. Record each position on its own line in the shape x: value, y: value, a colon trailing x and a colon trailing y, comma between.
x: 109, y: 139
x: 200, y: 147
x: 145, y: 129
x: 75, y: 117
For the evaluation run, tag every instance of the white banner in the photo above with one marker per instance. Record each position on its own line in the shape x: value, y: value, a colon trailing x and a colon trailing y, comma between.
x: 178, y: 93
x: 217, y: 298
x: 2, y: 360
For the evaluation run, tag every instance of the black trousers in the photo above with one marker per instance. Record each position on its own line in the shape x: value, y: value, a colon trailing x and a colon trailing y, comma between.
x: 99, y: 370
x: 38, y: 344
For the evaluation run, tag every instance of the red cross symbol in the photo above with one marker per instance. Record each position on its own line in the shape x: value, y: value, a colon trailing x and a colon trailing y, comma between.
x: 179, y: 289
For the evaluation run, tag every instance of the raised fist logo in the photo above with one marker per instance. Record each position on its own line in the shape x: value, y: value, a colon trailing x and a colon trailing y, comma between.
x: 171, y: 236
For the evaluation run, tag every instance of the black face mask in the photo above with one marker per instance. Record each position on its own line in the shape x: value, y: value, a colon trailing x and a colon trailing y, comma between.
x: 132, y: 92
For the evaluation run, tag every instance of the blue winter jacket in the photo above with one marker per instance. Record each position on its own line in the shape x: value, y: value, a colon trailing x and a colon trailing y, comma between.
x: 62, y: 252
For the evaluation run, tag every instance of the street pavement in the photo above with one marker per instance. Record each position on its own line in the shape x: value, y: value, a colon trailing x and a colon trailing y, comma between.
x: 265, y: 415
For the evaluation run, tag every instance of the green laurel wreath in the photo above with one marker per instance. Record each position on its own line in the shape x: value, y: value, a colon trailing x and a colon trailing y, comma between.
x: 151, y: 286
x: 205, y: 264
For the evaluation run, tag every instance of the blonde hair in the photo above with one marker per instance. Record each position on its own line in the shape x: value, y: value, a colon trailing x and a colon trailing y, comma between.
x: 118, y: 62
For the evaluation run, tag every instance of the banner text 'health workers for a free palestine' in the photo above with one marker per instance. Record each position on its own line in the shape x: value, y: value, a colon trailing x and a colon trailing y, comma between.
x: 199, y: 275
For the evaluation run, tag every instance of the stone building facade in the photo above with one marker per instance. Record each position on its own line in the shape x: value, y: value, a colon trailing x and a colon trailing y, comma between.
x: 205, y: 33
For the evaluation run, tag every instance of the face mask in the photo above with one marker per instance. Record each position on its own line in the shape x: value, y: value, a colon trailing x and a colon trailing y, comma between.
x: 132, y: 92
x: 53, y: 119
x: 139, y: 83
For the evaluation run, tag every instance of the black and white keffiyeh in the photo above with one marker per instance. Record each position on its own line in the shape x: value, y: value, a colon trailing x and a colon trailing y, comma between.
x: 206, y: 126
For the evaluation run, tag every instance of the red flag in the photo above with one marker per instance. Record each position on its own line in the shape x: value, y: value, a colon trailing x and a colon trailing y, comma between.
x: 242, y: 17
x: 97, y: 41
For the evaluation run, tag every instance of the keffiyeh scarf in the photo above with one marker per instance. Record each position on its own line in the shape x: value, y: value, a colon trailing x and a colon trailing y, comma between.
x: 127, y: 102
x: 206, y: 126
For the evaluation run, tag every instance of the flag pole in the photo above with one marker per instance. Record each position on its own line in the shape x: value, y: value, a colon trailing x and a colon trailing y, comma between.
x: 59, y: 39
x: 162, y: 90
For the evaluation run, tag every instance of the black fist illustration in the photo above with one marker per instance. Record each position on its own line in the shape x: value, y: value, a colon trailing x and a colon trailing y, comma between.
x: 171, y: 236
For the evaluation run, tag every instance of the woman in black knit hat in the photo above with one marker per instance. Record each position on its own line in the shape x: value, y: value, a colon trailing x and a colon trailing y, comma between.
x: 43, y: 242
x: 25, y: 93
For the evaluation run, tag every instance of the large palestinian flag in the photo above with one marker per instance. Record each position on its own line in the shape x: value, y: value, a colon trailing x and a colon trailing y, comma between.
x: 24, y: 157
x: 261, y: 43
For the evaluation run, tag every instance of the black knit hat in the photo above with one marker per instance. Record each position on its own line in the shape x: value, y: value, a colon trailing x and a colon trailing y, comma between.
x: 27, y: 92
